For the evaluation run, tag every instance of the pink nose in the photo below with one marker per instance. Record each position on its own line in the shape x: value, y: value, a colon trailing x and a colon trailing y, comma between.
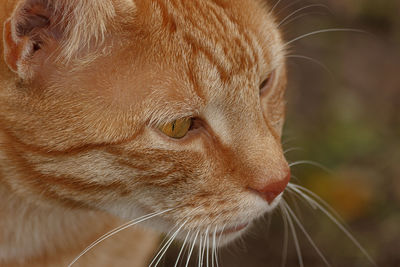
x: 273, y: 189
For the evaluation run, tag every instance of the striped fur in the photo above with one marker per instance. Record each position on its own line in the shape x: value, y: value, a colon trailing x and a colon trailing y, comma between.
x: 79, y: 138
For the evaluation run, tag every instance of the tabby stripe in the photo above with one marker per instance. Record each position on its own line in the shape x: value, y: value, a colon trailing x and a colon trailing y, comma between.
x: 204, y: 12
x: 197, y: 47
x: 243, y: 31
x: 221, y: 23
x: 153, y: 176
x: 221, y: 32
x: 194, y: 81
x: 72, y: 150
x: 43, y: 182
x: 195, y: 44
x: 168, y: 20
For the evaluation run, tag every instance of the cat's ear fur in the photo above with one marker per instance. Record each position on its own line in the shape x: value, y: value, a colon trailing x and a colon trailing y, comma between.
x: 39, y: 29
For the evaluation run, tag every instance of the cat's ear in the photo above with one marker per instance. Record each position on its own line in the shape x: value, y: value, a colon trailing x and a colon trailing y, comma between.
x: 25, y: 32
x: 39, y: 29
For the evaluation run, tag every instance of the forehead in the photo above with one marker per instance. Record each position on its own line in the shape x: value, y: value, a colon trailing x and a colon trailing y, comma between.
x: 219, y: 39
x: 182, y: 55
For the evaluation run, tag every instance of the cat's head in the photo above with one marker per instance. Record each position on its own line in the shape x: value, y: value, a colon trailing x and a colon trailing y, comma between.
x: 137, y: 106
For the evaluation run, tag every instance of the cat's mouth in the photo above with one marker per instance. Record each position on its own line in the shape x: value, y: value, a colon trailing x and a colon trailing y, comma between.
x: 232, y: 230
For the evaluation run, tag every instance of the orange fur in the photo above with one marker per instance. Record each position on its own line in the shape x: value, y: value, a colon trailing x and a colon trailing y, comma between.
x: 80, y: 106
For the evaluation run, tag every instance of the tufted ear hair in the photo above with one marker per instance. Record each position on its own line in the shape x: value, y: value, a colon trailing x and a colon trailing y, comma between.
x: 39, y: 29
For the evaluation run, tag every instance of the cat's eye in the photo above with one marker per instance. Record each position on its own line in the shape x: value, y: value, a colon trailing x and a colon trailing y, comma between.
x: 264, y: 86
x: 178, y: 128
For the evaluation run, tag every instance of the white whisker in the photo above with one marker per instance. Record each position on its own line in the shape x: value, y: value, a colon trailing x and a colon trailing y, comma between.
x: 219, y: 241
x: 117, y: 230
x: 322, y: 31
x: 203, y: 252
x: 191, y: 248
x: 273, y: 8
x: 313, y: 61
x: 292, y: 149
x: 285, y: 237
x: 286, y: 7
x: 181, y: 250
x: 200, y: 251
x: 293, y: 201
x: 298, y: 10
x: 288, y: 140
x: 162, y: 250
x: 167, y: 244
x: 337, y: 223
x: 214, y: 248
x: 208, y: 245
x: 300, y: 16
x: 309, y: 162
x: 305, y: 197
x: 305, y: 233
x: 221, y: 233
x: 296, y: 241
x: 167, y: 236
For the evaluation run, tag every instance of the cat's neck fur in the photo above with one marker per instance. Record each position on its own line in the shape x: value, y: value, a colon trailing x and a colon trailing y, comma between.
x: 29, y: 231
x: 35, y: 235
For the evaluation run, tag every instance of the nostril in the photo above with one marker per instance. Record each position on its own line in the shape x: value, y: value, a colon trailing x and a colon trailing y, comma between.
x: 271, y: 190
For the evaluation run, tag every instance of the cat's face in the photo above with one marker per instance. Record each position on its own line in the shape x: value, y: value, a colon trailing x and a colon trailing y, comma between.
x: 99, y: 132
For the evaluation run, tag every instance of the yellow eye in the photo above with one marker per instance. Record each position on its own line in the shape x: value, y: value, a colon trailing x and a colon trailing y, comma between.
x: 178, y: 128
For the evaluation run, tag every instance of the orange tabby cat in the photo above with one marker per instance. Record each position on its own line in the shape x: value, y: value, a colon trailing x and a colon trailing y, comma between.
x: 119, y: 108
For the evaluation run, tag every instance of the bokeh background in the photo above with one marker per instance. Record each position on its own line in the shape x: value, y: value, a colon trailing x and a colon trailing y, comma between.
x: 343, y: 113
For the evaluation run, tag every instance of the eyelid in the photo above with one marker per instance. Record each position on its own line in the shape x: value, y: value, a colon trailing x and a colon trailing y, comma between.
x: 267, y: 83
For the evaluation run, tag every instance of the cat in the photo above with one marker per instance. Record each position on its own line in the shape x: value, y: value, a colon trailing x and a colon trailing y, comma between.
x: 115, y: 109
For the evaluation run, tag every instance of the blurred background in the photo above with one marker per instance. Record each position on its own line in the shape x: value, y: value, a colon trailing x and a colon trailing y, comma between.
x: 343, y: 113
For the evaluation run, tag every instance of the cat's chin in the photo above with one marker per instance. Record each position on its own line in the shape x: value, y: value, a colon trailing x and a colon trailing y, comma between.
x: 216, y: 238
x: 221, y: 233
x: 230, y: 234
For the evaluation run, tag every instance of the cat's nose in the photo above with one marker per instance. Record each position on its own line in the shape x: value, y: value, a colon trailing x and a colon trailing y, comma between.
x: 272, y: 189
